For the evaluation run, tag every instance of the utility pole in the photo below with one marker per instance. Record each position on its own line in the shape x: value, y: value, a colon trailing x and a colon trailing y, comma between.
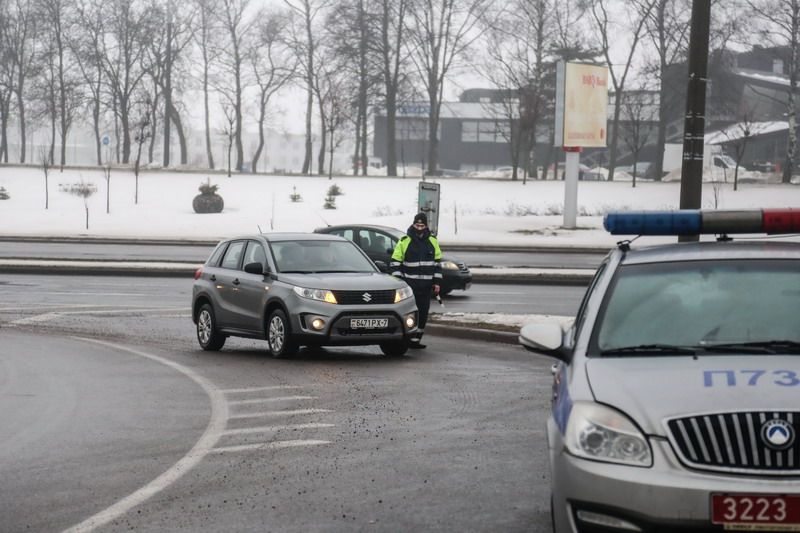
x: 694, y: 124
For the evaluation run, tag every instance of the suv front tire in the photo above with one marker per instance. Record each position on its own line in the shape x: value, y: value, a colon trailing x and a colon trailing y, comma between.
x: 279, y: 335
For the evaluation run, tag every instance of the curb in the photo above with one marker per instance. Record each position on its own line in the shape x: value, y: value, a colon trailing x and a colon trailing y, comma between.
x: 475, y: 334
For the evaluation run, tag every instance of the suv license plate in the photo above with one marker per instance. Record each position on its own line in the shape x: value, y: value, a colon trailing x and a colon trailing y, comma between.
x: 753, y: 512
x: 368, y: 323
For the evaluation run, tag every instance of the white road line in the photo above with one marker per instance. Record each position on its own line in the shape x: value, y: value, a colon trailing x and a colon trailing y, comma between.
x: 34, y: 319
x: 267, y: 429
x: 270, y: 445
x: 276, y: 399
x: 206, y: 443
x: 260, y: 389
x: 291, y: 412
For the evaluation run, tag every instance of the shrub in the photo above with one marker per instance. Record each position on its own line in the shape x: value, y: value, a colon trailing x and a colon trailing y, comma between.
x: 330, y: 202
x: 334, y: 190
x: 208, y: 188
x: 208, y: 201
x: 4, y: 194
x: 295, y: 196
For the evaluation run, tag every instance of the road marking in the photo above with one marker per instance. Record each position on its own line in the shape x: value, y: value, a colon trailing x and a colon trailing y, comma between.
x: 270, y: 445
x: 34, y: 319
x: 276, y: 399
x: 260, y: 389
x: 267, y: 429
x: 280, y: 413
x: 206, y: 443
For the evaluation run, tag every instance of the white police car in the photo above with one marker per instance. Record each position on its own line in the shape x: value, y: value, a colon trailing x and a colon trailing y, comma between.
x: 676, y: 401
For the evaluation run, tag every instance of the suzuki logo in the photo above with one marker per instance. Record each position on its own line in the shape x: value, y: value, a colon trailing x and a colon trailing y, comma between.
x: 367, y: 297
x: 777, y: 434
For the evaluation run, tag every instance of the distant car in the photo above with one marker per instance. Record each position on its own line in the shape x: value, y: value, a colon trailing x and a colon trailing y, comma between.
x: 641, y: 168
x: 300, y: 290
x: 675, y: 395
x: 378, y: 242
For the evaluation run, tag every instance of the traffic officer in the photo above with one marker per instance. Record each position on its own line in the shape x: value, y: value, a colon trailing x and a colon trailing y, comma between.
x: 417, y: 260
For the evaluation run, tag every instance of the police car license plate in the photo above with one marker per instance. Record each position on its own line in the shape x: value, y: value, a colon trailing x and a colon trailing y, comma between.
x: 368, y: 323
x: 755, y: 512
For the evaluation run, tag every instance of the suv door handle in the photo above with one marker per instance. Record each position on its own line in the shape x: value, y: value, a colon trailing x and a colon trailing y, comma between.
x: 236, y: 281
x: 213, y: 277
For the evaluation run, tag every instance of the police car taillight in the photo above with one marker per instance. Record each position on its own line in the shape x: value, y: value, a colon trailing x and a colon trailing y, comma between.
x: 198, y: 273
x: 703, y: 222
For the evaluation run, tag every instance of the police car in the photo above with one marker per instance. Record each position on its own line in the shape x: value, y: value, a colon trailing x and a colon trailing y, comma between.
x: 676, y: 395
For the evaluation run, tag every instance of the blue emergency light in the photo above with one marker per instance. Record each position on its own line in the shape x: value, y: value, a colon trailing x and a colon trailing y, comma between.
x: 703, y: 222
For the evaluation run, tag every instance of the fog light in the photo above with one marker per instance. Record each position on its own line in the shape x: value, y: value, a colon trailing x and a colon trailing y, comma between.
x: 606, y: 521
x: 411, y: 321
x: 317, y: 324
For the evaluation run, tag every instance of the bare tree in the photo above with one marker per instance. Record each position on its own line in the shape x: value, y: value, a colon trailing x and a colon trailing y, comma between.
x: 205, y: 36
x: 59, y: 27
x: 85, y: 46
x: 638, y: 12
x: 636, y: 131
x: 228, y: 130
x: 303, y: 40
x: 782, y: 26
x: 141, y: 134
x: 20, y: 34
x: 439, y: 35
x: 45, y: 164
x: 518, y: 43
x: 668, y: 27
x: 122, y: 46
x: 738, y: 136
x: 7, y: 79
x: 272, y: 66
x: 233, y: 81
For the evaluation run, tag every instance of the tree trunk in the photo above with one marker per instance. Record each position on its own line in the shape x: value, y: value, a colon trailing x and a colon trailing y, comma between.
x: 612, y: 160
x: 168, y: 89
x: 21, y: 109
x: 176, y: 119
x: 391, y: 133
x: 209, y: 152
x: 262, y: 113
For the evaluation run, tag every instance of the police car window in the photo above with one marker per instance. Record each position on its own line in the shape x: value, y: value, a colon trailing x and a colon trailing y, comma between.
x: 701, y: 303
x: 232, y: 255
x: 581, y: 315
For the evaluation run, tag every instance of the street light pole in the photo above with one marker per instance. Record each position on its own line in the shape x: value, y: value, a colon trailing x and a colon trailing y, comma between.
x: 694, y: 124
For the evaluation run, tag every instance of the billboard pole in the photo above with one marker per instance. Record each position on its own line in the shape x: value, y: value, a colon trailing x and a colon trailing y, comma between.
x: 573, y: 158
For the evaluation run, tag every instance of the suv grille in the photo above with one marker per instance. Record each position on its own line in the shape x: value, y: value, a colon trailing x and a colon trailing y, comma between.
x: 364, y: 297
x: 737, y: 442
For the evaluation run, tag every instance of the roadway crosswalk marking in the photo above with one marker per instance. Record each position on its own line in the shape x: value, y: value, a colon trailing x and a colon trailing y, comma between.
x: 267, y: 429
x: 268, y: 400
x: 288, y: 412
x: 260, y: 389
x: 276, y: 445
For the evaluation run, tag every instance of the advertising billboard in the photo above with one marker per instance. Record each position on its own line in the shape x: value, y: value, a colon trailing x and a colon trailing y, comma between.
x: 581, y: 105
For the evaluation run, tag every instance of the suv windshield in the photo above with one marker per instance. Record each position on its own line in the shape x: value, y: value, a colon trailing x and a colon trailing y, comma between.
x: 699, y: 305
x: 308, y: 257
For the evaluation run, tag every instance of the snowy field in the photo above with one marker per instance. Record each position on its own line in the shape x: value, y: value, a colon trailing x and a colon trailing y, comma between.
x: 473, y: 211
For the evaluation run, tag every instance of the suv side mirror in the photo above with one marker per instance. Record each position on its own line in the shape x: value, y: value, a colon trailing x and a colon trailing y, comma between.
x: 254, y: 268
x: 546, y: 339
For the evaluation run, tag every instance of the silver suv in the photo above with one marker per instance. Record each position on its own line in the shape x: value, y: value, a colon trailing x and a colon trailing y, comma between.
x: 300, y: 289
x: 676, y: 398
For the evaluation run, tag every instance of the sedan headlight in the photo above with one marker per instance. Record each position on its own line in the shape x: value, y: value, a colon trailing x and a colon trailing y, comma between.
x: 449, y: 265
x: 403, y: 294
x: 603, y: 434
x: 321, y: 295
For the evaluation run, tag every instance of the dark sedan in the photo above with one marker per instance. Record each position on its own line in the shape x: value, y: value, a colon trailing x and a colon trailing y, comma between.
x: 378, y: 243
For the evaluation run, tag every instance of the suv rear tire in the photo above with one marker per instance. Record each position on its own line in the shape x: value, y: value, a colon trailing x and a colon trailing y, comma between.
x: 279, y: 335
x: 207, y: 335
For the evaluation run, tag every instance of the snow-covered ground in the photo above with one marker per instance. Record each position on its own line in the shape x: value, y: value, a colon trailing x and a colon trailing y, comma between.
x: 473, y: 211
x: 480, y: 211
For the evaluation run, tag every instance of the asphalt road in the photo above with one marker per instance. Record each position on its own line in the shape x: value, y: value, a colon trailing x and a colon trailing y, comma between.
x: 121, y: 423
x: 199, y: 253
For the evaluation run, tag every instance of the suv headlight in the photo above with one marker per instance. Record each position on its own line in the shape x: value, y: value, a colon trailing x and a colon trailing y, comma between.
x: 600, y: 433
x: 403, y: 294
x: 449, y: 265
x: 321, y: 295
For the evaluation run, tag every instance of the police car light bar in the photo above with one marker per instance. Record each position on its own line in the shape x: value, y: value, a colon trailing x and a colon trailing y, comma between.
x: 700, y: 222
